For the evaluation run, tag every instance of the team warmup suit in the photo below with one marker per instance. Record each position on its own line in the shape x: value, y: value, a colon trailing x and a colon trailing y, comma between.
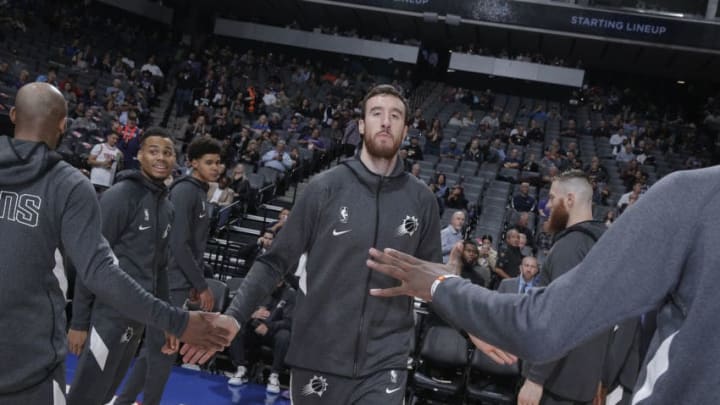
x: 187, y: 241
x: 574, y: 378
x: 46, y: 205
x: 670, y: 236
x: 136, y: 221
x: 346, y: 346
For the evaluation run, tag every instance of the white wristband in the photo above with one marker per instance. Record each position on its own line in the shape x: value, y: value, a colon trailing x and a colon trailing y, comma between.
x: 439, y: 280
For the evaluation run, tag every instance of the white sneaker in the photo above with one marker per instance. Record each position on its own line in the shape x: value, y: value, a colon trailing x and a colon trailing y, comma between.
x: 239, y: 378
x: 273, y: 385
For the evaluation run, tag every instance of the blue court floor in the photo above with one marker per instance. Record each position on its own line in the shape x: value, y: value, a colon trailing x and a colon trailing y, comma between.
x: 190, y: 387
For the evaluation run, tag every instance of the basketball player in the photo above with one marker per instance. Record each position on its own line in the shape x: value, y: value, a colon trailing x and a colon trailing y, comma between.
x: 190, y: 232
x: 47, y: 204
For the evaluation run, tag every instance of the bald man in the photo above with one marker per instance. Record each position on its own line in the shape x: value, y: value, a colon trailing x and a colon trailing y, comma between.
x: 45, y: 204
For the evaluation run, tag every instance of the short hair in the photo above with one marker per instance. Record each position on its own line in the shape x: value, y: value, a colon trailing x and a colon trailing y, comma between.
x: 488, y: 237
x: 579, y: 181
x: 386, y: 90
x: 203, y: 146
x: 155, y: 131
x: 270, y: 231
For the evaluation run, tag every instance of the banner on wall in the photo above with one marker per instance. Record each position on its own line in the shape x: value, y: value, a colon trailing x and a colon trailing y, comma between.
x: 572, y: 20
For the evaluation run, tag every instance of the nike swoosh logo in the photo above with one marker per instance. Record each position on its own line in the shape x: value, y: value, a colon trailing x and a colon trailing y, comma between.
x: 338, y: 233
x: 390, y: 391
x: 202, y: 216
x: 143, y: 228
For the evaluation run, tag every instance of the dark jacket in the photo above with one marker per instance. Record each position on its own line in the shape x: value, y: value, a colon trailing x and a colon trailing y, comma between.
x: 338, y: 327
x: 191, y: 228
x: 136, y: 221
x: 575, y: 376
x: 281, y: 304
x: 51, y: 205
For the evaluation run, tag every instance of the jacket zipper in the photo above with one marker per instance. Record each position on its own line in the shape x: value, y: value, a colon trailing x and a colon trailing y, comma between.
x: 157, y: 244
x: 367, y: 280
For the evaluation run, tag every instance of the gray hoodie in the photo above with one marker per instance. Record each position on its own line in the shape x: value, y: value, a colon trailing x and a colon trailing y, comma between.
x: 191, y: 228
x: 46, y: 205
x: 338, y: 327
x: 136, y: 218
x: 660, y: 254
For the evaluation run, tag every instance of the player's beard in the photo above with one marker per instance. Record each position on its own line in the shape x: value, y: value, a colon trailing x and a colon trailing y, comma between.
x: 559, y: 217
x: 382, y: 151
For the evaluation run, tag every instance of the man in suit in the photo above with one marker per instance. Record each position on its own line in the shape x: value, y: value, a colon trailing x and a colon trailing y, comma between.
x: 250, y: 252
x: 525, y: 281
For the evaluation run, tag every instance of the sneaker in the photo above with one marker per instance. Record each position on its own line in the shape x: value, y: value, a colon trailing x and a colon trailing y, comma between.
x: 273, y: 385
x: 240, y: 377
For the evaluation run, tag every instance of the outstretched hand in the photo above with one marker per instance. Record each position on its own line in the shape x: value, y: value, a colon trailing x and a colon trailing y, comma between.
x: 197, y: 354
x: 416, y: 276
x: 209, y: 331
x: 495, y: 354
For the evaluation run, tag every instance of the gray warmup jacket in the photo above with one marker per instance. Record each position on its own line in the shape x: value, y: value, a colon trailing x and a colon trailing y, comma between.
x: 662, y: 253
x: 136, y: 221
x: 575, y: 376
x: 190, y: 234
x: 46, y: 205
x: 338, y: 328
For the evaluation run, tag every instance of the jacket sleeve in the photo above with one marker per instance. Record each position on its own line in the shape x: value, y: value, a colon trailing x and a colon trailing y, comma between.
x: 182, y: 234
x: 81, y: 307
x: 597, y: 294
x: 268, y: 269
x: 97, y: 265
x: 163, y: 284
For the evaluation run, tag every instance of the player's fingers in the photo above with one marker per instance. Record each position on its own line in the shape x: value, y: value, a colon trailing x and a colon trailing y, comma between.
x: 390, y: 270
x: 388, y: 292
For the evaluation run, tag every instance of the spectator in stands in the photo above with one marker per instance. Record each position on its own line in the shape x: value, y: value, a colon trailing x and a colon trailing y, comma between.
x: 50, y: 77
x: 69, y: 95
x: 521, y: 225
x: 186, y: 82
x: 115, y: 92
x: 525, y: 281
x: 282, y: 219
x: 490, y: 122
x: 6, y: 77
x: 153, y: 68
x: 452, y: 151
x: 414, y: 151
x: 241, y: 186
x: 496, y: 152
x: 415, y: 170
x: 624, y: 200
x: 251, y: 251
x: 617, y: 140
x: 261, y: 125
x: 506, y: 122
x: 609, y: 218
x: 440, y: 186
x: 509, y: 258
x: 433, y: 138
x: 22, y: 79
x: 513, y: 160
x: 518, y: 136
x: 104, y: 159
x: 535, y: 133
x: 468, y: 120
x: 403, y: 158
x: 220, y: 193
x: 456, y: 198
x: 488, y: 254
x: 470, y: 268
x: 473, y: 152
x: 596, y: 171
x: 570, y: 130
x: 601, y: 192
x: 455, y: 120
x: 602, y: 130
x: 625, y: 154
x: 530, y: 164
x: 278, y: 159
x: 523, y: 201
x: 270, y: 325
x: 129, y: 143
x: 418, y: 122
x: 452, y: 234
x: 522, y: 244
